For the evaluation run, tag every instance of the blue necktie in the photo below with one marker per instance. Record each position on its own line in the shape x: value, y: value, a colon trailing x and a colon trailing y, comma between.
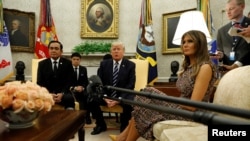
x: 115, y: 76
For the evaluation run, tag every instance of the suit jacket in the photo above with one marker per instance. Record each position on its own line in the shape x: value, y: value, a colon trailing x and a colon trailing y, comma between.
x: 18, y: 39
x: 55, y: 82
x: 225, y: 44
x: 126, y: 76
x: 82, y: 77
x: 82, y: 81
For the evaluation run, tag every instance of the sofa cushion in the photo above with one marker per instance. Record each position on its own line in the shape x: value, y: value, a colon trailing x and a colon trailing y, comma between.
x: 197, y: 133
x: 174, y: 124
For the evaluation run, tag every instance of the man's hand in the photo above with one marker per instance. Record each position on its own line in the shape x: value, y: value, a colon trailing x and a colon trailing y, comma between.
x: 230, y: 67
x: 57, y: 97
x: 245, y: 32
x: 79, y: 88
x: 111, y: 103
x: 218, y: 55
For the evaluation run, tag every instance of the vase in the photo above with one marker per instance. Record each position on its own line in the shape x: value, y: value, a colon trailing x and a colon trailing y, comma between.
x: 22, y: 119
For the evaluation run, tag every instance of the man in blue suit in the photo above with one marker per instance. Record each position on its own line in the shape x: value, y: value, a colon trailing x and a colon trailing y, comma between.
x: 125, y: 79
x: 55, y: 74
x: 233, y: 51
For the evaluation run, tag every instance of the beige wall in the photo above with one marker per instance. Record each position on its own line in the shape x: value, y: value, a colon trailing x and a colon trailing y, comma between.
x: 67, y: 18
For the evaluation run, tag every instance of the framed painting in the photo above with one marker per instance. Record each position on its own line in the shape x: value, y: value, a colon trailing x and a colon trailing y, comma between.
x: 99, y: 18
x: 170, y: 22
x: 21, y: 29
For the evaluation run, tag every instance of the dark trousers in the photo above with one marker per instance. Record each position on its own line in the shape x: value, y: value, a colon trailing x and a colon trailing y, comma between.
x: 94, y: 108
x: 96, y: 112
x: 67, y: 101
x: 81, y: 98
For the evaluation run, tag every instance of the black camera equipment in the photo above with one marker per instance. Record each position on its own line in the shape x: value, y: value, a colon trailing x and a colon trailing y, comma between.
x: 97, y: 90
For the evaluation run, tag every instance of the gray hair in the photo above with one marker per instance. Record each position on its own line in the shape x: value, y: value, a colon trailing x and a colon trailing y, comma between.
x: 239, y: 2
x: 100, y: 9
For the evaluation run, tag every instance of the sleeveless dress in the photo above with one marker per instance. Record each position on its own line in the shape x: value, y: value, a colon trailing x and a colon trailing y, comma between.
x: 146, y: 118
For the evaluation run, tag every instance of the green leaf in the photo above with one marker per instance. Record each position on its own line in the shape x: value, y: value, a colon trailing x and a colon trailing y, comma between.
x: 92, y: 47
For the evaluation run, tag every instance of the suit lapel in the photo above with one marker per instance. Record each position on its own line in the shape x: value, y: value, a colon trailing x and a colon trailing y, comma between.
x: 60, y: 64
x: 110, y: 73
x: 230, y: 38
x: 80, y: 75
x: 49, y: 67
x: 121, y: 69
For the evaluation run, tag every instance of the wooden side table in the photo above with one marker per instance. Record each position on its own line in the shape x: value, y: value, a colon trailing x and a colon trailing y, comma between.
x: 56, y: 125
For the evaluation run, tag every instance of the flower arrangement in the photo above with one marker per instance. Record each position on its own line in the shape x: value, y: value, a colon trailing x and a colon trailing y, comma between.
x: 19, y: 96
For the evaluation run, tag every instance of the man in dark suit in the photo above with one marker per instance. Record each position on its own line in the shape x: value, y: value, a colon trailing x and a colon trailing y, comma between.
x: 125, y: 79
x: 55, y: 74
x: 233, y: 51
x: 17, y: 38
x: 80, y: 82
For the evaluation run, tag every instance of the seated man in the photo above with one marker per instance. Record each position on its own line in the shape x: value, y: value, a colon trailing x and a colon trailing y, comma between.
x: 117, y: 72
x: 55, y: 74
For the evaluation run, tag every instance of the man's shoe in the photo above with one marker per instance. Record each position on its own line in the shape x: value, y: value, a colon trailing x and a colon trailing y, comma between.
x: 70, y: 108
x: 88, y: 121
x: 98, y: 130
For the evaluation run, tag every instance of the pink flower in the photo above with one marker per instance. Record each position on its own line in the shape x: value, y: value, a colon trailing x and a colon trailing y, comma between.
x: 29, y: 96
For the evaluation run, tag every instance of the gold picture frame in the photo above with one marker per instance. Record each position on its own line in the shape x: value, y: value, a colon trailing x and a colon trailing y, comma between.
x: 22, y: 40
x: 105, y: 28
x: 170, y: 22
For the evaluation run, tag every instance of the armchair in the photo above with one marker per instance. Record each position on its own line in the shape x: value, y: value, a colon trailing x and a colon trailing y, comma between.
x: 34, y: 69
x: 34, y: 66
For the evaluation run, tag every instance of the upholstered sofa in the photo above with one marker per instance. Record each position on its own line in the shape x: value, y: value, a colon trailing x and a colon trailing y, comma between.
x: 232, y: 91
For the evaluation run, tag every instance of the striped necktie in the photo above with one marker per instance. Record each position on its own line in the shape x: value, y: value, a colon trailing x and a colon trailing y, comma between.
x: 115, y: 78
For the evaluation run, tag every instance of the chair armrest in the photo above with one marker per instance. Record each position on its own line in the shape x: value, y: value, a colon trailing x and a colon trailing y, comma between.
x: 198, y: 133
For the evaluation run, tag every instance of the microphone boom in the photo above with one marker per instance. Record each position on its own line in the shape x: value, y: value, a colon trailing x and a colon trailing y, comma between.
x: 96, y: 90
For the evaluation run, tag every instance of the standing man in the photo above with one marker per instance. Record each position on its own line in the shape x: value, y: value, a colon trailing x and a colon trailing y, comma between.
x: 117, y: 72
x: 17, y: 38
x: 233, y: 51
x: 55, y: 74
x: 80, y: 82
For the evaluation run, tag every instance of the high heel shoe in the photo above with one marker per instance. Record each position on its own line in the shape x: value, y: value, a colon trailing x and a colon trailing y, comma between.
x: 112, y: 137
